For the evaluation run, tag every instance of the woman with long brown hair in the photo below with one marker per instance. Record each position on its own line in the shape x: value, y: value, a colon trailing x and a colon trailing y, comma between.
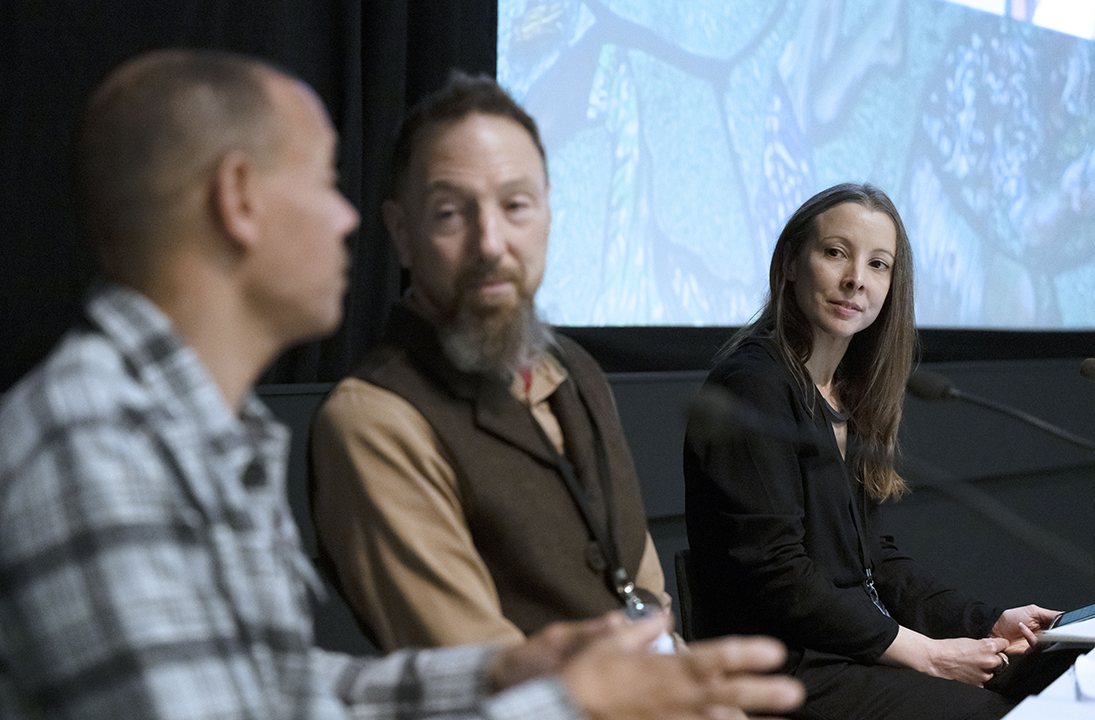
x: 782, y: 507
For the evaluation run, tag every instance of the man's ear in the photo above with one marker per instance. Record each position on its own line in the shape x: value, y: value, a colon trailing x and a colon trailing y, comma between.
x: 395, y: 220
x: 235, y: 198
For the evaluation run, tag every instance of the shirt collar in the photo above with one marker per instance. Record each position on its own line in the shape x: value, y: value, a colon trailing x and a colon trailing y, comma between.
x: 547, y: 375
x: 171, y: 370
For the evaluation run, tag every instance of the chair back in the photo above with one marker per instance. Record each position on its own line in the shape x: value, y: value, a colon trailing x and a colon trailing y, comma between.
x: 692, y: 627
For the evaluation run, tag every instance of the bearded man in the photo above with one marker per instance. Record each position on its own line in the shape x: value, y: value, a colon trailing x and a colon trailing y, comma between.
x: 471, y: 481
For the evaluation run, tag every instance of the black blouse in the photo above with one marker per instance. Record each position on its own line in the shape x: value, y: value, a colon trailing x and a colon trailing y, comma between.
x: 773, y: 530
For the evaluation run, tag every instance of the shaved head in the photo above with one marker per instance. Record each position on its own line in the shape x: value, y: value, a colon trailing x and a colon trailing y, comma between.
x: 151, y: 138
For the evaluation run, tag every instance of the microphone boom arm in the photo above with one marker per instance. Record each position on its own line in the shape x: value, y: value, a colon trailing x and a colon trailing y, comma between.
x: 1050, y: 428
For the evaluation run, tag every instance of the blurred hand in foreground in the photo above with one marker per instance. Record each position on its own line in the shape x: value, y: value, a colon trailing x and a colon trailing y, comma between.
x: 610, y: 673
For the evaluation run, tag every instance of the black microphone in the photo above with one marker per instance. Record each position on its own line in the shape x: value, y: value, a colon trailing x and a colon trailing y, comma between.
x: 1087, y: 369
x: 932, y: 387
x: 717, y: 415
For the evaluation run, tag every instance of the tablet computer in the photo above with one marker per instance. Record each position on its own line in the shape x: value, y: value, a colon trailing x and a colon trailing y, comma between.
x: 1074, y: 616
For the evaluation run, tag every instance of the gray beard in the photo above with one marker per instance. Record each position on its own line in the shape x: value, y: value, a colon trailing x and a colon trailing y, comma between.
x: 475, y: 344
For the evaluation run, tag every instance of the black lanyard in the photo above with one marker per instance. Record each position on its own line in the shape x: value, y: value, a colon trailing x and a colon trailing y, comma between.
x: 619, y: 579
x: 861, y: 532
x: 857, y: 518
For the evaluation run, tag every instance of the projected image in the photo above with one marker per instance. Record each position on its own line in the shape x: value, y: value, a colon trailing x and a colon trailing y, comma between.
x: 682, y: 135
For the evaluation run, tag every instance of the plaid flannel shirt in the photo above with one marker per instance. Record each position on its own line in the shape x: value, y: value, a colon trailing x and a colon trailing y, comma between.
x: 149, y: 564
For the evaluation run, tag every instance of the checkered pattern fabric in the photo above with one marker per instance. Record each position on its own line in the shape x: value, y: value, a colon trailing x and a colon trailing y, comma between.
x: 150, y: 566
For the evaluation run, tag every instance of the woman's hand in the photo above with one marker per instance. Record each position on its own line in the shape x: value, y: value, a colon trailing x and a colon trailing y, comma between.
x: 967, y: 660
x: 963, y: 659
x: 1019, y: 625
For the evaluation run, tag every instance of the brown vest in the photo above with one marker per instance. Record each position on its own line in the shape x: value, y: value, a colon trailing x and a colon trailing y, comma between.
x: 525, y: 524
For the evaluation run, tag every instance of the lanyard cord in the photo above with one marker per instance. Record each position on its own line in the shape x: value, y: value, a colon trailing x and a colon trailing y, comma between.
x: 861, y: 532
x: 857, y: 518
x: 619, y: 579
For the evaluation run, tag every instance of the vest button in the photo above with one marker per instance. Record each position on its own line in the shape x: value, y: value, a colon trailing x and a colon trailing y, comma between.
x: 595, y: 558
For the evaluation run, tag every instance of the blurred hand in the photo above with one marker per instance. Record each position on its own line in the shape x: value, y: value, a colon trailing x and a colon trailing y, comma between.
x: 546, y: 651
x: 618, y: 678
x: 1019, y: 625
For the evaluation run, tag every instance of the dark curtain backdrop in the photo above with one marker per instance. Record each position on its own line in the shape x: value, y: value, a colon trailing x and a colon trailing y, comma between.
x: 365, y: 59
